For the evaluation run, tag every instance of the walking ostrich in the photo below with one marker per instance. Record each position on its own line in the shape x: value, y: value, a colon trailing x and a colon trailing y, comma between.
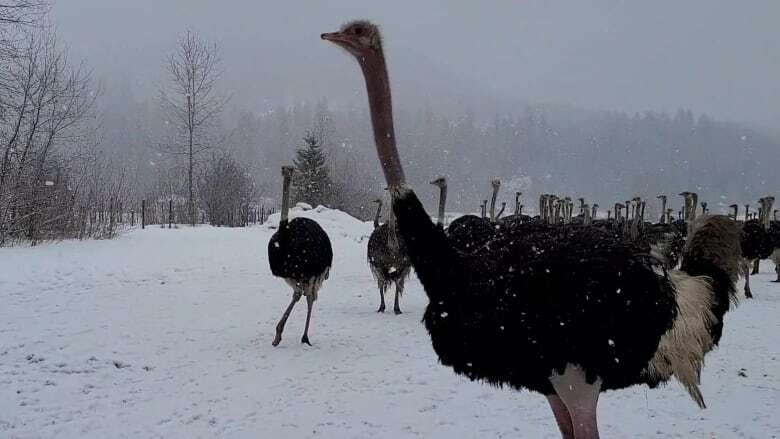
x: 567, y: 311
x: 388, y: 259
x: 756, y: 245
x: 300, y: 253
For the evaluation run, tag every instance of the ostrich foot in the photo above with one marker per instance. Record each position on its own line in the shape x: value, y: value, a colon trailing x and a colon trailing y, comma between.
x: 748, y: 294
x: 381, y: 308
x: 277, y: 340
x: 397, y: 311
x: 305, y: 339
x: 776, y: 281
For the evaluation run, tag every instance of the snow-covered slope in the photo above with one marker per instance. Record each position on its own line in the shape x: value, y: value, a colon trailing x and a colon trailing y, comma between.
x: 167, y: 334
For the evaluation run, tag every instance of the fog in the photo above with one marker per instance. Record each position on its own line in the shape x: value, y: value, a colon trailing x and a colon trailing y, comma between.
x: 716, y: 57
x: 605, y: 100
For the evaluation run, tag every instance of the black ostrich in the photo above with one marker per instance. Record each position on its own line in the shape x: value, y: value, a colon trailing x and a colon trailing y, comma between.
x: 300, y: 253
x: 756, y: 245
x: 469, y: 232
x: 388, y: 259
x: 567, y: 311
x: 667, y: 238
x: 518, y: 217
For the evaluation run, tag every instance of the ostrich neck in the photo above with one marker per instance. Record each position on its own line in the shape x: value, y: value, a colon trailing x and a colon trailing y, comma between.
x: 493, y: 204
x: 663, y: 210
x: 378, y: 212
x: 285, y: 200
x: 442, y: 203
x: 380, y: 104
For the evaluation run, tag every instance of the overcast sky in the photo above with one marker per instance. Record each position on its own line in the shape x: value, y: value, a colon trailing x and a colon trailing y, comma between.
x: 721, y: 57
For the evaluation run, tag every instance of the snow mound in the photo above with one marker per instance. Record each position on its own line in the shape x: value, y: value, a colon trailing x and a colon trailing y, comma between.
x: 335, y: 222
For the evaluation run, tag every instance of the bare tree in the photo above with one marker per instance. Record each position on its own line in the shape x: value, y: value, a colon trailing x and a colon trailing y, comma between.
x: 45, y: 105
x: 192, y: 102
x: 226, y: 189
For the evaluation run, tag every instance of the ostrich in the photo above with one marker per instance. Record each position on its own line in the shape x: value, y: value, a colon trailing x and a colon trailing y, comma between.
x: 756, y: 245
x: 766, y: 204
x: 387, y: 259
x: 470, y: 232
x: 517, y: 218
x: 300, y: 253
x: 566, y: 311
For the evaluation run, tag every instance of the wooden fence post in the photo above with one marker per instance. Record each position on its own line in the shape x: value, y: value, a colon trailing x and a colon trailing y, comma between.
x: 143, y: 214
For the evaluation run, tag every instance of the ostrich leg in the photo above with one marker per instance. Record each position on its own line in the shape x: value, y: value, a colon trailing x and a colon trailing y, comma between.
x: 746, y: 268
x: 381, y: 297
x: 283, y: 321
x: 755, y: 266
x: 562, y: 416
x: 399, y: 289
x: 309, y: 305
x: 580, y: 398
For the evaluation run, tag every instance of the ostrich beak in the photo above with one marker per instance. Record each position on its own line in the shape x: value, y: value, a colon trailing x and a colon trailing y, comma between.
x: 334, y: 37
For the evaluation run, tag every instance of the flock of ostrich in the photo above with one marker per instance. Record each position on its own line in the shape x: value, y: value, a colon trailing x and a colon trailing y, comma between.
x: 567, y: 305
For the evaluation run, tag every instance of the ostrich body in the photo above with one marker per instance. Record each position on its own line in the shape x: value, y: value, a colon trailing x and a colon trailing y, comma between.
x: 301, y: 254
x: 566, y: 311
x: 757, y: 243
x: 387, y: 259
x: 469, y: 232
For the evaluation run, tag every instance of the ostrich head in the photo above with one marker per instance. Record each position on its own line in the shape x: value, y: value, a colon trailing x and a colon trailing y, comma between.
x: 439, y: 182
x: 360, y: 38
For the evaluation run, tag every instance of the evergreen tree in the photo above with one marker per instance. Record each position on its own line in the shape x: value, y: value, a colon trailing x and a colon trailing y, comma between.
x: 312, y: 181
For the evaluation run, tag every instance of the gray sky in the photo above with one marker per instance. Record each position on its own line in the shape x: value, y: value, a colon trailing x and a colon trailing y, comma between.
x: 721, y: 57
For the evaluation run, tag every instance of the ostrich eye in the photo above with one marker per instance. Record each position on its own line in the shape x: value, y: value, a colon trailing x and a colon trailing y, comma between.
x: 358, y: 31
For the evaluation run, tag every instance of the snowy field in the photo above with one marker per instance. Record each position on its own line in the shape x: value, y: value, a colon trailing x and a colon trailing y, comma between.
x: 167, y: 334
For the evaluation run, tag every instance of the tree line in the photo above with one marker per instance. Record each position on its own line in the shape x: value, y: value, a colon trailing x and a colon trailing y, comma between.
x: 77, y: 154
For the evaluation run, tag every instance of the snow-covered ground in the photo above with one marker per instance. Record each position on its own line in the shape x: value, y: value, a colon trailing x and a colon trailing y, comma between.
x: 167, y: 334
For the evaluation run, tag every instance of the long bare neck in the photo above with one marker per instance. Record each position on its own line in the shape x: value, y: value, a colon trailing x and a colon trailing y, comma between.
x: 285, y: 200
x: 663, y: 210
x: 381, y: 106
x: 442, y: 204
x: 493, y: 204
x: 378, y: 212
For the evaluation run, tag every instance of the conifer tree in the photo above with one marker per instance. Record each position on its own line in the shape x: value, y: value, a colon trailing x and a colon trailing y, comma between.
x: 312, y: 180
